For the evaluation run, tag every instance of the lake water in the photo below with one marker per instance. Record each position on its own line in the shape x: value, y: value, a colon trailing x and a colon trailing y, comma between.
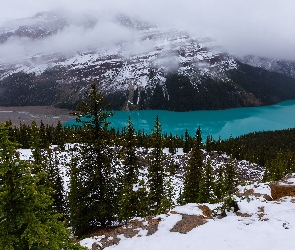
x: 224, y: 123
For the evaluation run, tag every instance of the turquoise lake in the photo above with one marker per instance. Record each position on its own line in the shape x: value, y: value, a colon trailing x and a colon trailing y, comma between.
x: 224, y: 123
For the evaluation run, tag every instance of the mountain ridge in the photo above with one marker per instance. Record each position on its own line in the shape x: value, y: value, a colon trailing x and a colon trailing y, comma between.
x: 153, y: 69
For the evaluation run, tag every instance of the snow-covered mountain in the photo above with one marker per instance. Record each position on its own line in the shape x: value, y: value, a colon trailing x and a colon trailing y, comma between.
x: 152, y: 48
x: 280, y: 66
x: 134, y: 62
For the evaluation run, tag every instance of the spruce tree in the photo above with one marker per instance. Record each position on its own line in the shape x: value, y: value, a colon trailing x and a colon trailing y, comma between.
x: 53, y: 161
x: 129, y: 200
x: 230, y: 176
x: 59, y: 135
x: 156, y: 170
x: 171, y: 144
x: 24, y: 136
x: 187, y: 142
x: 219, y: 189
x: 207, y: 184
x: 43, y: 136
x: 193, y: 173
x: 275, y: 167
x: 92, y: 198
x: 27, y: 220
x: 209, y: 141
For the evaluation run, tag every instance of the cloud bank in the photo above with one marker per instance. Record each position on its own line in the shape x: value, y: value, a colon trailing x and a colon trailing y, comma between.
x: 257, y: 27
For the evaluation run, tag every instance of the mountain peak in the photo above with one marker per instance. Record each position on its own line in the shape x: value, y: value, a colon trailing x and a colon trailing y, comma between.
x: 131, y: 60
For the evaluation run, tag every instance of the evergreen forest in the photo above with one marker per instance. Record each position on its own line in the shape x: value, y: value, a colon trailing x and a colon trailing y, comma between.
x: 115, y: 175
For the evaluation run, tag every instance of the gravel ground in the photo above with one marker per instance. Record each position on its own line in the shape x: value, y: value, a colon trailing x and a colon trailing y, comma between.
x: 49, y: 115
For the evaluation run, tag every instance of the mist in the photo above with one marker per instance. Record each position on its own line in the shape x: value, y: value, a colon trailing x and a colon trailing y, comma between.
x: 260, y: 27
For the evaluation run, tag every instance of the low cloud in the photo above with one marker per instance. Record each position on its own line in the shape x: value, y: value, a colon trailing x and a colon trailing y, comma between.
x: 261, y: 27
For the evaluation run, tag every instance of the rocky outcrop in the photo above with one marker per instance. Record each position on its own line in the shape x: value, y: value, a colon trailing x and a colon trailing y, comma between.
x: 284, y: 187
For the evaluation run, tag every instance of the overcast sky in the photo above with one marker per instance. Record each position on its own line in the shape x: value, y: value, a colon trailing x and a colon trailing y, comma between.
x: 261, y: 27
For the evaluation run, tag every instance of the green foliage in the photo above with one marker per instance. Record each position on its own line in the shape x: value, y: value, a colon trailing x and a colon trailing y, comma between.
x: 171, y: 144
x: 101, y: 190
x: 168, y: 194
x: 187, y: 142
x: 194, y: 170
x: 272, y: 149
x: 130, y: 200
x: 54, y: 177
x: 156, y: 170
x: 279, y: 166
x: 228, y: 204
x: 219, y: 188
x: 59, y: 136
x: 27, y: 220
x: 230, y: 176
x: 206, y: 194
x: 92, y: 198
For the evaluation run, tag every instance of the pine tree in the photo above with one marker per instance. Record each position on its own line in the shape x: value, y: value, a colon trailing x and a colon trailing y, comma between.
x: 27, y: 220
x: 46, y: 159
x: 59, y: 135
x: 209, y: 142
x: 171, y: 144
x: 207, y: 184
x: 24, y: 136
x: 54, y: 177
x: 142, y: 201
x: 275, y: 167
x: 156, y: 170
x: 43, y: 136
x: 230, y: 176
x: 92, y: 196
x: 219, y: 189
x: 168, y: 193
x: 129, y: 199
x: 187, y: 143
x: 35, y: 144
x: 194, y: 170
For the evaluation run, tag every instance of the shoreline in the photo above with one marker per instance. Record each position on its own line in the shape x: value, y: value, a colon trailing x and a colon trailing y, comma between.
x: 27, y: 114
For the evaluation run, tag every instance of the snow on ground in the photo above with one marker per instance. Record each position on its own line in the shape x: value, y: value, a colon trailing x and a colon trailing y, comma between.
x: 259, y: 224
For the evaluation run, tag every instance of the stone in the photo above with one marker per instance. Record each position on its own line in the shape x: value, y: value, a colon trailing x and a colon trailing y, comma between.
x: 267, y: 197
x: 188, y: 222
x: 96, y: 246
x: 284, y: 187
x: 206, y: 211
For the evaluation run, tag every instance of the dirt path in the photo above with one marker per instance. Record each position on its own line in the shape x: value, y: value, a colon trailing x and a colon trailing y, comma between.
x: 49, y: 115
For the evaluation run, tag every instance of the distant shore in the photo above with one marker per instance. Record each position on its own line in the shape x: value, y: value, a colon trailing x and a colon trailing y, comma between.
x: 26, y: 114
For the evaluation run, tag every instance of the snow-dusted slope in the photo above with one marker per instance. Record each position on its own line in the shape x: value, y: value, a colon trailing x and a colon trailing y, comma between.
x: 280, y: 66
x: 129, y: 59
x: 259, y: 224
x: 119, y: 63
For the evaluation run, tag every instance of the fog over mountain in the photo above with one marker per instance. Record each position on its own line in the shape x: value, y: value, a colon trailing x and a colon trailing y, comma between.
x: 174, y: 55
x: 262, y: 28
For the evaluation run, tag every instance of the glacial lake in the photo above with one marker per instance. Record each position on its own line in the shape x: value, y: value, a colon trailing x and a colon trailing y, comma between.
x: 223, y: 123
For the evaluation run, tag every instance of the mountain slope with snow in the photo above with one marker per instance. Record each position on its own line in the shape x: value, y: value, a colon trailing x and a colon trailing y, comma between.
x: 135, y: 63
x: 259, y: 224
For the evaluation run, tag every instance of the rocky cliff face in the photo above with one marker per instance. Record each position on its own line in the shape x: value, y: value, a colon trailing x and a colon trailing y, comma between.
x: 151, y: 67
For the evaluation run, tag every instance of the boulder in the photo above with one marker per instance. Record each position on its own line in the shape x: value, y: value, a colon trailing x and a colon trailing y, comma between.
x: 284, y: 187
x: 96, y: 246
x: 206, y: 211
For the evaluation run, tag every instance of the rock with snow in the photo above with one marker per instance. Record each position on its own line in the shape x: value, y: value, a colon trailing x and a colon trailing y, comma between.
x: 284, y: 187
